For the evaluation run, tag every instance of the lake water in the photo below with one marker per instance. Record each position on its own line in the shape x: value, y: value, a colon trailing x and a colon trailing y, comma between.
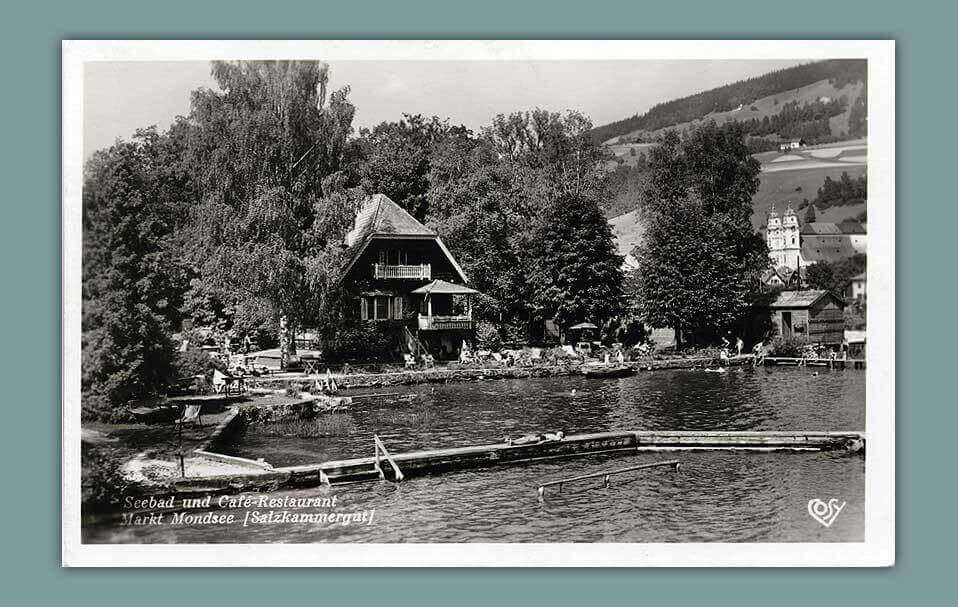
x: 715, y: 496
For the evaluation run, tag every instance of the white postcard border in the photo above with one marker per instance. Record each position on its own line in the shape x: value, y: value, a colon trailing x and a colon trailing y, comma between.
x: 878, y: 549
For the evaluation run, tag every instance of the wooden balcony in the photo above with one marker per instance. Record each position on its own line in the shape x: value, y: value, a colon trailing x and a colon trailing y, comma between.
x: 383, y: 271
x: 445, y: 323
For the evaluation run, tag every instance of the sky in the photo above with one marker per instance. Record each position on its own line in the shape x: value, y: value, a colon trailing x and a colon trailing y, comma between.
x: 120, y: 97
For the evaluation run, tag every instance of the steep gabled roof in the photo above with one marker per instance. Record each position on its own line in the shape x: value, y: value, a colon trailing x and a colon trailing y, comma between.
x: 381, y: 217
x: 821, y: 227
x: 800, y: 299
x: 851, y: 227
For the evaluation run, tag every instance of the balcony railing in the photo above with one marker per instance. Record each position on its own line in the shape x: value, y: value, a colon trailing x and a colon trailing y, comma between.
x: 440, y: 323
x: 383, y: 271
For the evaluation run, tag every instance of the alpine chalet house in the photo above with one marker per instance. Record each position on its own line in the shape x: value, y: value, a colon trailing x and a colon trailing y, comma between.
x: 398, y: 271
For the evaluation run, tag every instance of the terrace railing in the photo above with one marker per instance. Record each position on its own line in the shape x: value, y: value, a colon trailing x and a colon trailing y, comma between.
x: 440, y: 323
x: 383, y: 271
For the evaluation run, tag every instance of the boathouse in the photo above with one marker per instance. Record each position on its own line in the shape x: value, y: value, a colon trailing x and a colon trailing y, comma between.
x: 815, y: 315
x: 399, y: 271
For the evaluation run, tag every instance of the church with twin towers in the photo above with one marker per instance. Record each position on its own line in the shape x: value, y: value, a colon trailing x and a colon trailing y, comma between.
x: 793, y: 246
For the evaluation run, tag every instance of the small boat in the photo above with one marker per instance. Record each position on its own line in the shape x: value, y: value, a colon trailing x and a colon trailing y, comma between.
x: 600, y: 371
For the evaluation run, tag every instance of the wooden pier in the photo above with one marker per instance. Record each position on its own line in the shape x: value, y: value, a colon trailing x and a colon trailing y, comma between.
x: 438, y: 460
x: 831, y: 363
x: 419, y: 463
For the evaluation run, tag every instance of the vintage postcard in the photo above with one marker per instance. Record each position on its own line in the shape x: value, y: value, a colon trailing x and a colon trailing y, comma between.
x: 494, y: 303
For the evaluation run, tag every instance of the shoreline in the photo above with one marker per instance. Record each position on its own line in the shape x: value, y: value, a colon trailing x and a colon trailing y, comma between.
x: 444, y: 374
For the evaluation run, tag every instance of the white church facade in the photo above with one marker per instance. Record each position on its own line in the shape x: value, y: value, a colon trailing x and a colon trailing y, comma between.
x: 784, y: 239
x: 792, y: 246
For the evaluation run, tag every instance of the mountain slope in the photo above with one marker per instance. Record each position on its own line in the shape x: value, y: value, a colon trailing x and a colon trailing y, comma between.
x: 758, y: 98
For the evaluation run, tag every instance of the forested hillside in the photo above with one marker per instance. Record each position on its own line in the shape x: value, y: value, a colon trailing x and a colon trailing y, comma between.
x: 838, y: 73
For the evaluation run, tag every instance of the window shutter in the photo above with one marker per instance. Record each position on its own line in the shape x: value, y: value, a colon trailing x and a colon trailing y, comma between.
x: 363, y: 308
x: 397, y: 307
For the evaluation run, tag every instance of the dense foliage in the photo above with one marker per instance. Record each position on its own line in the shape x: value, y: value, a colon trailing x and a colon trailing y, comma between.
x: 575, y: 267
x: 268, y: 150
x: 134, y: 199
x: 836, y: 276
x: 809, y: 121
x: 701, y: 261
x: 722, y: 99
x: 500, y: 198
x: 397, y: 158
x: 845, y: 191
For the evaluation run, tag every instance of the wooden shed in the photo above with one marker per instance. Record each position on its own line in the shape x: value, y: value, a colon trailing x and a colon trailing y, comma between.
x: 815, y: 315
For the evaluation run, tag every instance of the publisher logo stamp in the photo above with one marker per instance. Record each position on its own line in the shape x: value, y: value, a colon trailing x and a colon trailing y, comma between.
x: 825, y: 512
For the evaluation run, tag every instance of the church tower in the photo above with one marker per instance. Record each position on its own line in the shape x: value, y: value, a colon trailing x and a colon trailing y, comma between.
x: 773, y: 237
x: 791, y: 239
x: 783, y: 238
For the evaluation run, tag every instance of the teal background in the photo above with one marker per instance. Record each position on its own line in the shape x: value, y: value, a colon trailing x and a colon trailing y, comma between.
x: 29, y: 250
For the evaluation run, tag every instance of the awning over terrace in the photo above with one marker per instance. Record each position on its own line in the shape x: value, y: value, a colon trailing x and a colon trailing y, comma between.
x: 441, y: 287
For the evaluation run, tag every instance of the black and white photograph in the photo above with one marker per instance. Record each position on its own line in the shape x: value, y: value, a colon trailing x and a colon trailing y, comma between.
x: 541, y: 303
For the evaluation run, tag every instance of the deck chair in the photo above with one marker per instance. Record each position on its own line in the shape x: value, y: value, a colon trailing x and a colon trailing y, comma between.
x: 220, y: 382
x: 410, y: 360
x: 191, y: 414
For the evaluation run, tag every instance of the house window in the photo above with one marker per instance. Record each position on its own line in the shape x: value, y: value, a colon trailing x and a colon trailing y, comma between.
x: 393, y: 257
x: 380, y: 307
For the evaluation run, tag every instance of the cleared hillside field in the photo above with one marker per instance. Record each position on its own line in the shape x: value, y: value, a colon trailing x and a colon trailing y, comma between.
x: 782, y: 187
x: 769, y: 106
x: 628, y: 231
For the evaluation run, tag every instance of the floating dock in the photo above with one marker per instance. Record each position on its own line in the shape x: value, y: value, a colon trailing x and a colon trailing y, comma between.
x: 419, y: 463
x: 438, y: 460
x: 831, y: 363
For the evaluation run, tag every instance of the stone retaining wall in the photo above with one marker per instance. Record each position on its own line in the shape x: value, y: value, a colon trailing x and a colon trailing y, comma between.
x: 449, y: 375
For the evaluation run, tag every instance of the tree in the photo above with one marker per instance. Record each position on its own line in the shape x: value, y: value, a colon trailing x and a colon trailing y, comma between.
x: 810, y: 216
x: 134, y: 199
x: 575, y: 267
x: 702, y: 260
x: 489, y: 193
x: 821, y: 276
x: 268, y: 152
x: 396, y: 160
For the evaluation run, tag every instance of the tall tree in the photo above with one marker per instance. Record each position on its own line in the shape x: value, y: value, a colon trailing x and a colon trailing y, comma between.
x: 396, y: 160
x: 268, y: 151
x: 810, y: 215
x: 134, y: 199
x: 575, y: 268
x: 702, y: 259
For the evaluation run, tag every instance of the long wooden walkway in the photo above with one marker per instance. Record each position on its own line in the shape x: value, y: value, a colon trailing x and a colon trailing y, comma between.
x: 418, y: 463
x: 438, y: 460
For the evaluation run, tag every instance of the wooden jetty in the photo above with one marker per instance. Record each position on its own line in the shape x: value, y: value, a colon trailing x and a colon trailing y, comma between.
x: 831, y: 363
x: 438, y: 460
x: 384, y: 465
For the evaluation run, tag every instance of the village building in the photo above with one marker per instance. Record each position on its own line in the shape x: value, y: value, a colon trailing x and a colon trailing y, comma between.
x: 784, y: 277
x: 399, y: 271
x: 783, y: 238
x: 818, y: 316
x: 856, y: 288
x: 795, y: 246
x: 795, y: 144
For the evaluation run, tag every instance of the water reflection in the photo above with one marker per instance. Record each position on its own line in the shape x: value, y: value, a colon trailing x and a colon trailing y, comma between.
x: 715, y: 496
